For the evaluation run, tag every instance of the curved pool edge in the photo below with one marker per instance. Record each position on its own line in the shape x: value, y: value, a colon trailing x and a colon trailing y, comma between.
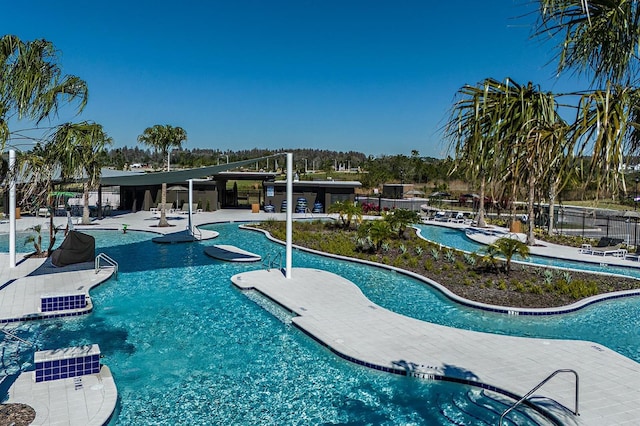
x: 335, y: 313
x: 559, y: 310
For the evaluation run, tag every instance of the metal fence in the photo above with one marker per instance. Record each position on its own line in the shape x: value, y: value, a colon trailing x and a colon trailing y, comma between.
x: 568, y: 220
x: 594, y: 223
x: 382, y: 204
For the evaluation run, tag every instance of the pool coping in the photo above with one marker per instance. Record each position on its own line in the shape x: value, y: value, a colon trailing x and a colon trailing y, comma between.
x: 340, y: 317
x: 559, y: 310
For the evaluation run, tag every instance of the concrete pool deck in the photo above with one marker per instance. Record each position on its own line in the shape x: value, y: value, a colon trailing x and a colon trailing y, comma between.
x: 335, y: 312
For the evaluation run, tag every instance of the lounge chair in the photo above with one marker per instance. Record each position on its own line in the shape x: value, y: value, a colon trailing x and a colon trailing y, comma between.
x: 609, y: 246
x: 185, y: 208
x: 168, y: 208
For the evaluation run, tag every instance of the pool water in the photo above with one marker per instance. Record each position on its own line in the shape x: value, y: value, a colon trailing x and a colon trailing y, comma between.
x: 186, y: 347
x: 457, y: 239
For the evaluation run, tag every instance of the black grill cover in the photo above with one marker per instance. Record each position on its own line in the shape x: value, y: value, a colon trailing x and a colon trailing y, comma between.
x: 76, y: 248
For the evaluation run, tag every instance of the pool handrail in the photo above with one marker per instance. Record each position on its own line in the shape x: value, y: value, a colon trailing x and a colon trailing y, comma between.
x: 538, y: 386
x: 108, y: 260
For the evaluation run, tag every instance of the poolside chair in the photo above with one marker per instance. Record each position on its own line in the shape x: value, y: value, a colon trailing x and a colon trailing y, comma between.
x: 185, y: 208
x: 609, y: 246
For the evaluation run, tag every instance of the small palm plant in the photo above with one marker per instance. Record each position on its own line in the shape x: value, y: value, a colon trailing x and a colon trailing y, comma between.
x: 507, y: 248
x: 35, y: 238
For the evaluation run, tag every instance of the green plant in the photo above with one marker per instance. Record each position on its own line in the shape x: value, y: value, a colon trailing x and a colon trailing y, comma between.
x: 419, y: 250
x: 35, y: 238
x: 428, y: 265
x: 470, y: 259
x: 567, y: 277
x: 435, y: 253
x: 385, y: 247
x: 402, y: 248
x: 450, y: 256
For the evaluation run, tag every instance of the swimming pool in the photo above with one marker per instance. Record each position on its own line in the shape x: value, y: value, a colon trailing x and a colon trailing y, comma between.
x: 186, y: 347
x: 456, y: 238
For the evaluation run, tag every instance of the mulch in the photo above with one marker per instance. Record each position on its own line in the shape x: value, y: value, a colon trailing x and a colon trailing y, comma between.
x: 16, y: 414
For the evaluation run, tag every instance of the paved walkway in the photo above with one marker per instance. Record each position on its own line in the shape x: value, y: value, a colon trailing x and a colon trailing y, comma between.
x: 84, y: 401
x: 336, y: 313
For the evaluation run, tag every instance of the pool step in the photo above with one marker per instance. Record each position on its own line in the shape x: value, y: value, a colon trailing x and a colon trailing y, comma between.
x: 481, y: 408
x: 274, y: 309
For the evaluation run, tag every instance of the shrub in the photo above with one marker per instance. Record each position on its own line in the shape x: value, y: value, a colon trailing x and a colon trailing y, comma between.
x: 470, y: 259
x: 450, y: 256
x: 435, y: 253
x: 428, y: 265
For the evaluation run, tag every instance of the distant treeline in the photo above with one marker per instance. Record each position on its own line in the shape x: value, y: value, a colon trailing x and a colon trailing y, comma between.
x: 372, y: 171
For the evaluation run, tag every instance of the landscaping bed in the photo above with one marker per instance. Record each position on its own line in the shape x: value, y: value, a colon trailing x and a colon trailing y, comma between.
x: 467, y: 275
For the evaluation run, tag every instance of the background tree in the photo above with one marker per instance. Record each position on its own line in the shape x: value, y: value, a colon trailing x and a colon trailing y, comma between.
x: 162, y: 138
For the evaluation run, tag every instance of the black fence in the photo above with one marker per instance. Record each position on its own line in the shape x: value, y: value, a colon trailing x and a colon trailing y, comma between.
x: 593, y: 223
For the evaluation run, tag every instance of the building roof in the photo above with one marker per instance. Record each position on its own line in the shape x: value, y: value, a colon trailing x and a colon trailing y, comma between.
x: 322, y: 183
x: 127, y: 178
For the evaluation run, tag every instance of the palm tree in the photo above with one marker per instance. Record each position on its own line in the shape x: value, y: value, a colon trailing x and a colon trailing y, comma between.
x: 399, y: 219
x: 600, y: 38
x: 507, y: 248
x: 472, y: 129
x: 32, y: 84
x: 377, y: 230
x: 80, y: 148
x: 347, y: 210
x: 39, y: 166
x: 162, y: 138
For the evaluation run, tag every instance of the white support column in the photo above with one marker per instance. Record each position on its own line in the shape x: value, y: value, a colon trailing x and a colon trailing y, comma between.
x: 12, y: 209
x: 289, y: 238
x: 190, y: 205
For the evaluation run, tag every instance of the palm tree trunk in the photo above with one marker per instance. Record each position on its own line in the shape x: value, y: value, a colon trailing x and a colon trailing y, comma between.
x: 163, y: 215
x: 514, y: 193
x: 481, y: 221
x: 85, y: 207
x: 52, y: 232
x: 552, y: 203
x: 532, y: 189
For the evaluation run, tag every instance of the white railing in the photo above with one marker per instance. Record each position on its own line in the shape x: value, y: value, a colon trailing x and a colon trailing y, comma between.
x: 196, y: 233
x: 109, y: 261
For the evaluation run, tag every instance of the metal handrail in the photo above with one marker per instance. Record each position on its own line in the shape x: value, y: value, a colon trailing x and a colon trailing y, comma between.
x: 108, y: 260
x: 271, y: 259
x: 196, y: 232
x: 16, y: 337
x: 538, y: 386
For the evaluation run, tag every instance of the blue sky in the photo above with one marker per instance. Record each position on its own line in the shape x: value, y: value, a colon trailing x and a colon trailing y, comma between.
x: 372, y: 76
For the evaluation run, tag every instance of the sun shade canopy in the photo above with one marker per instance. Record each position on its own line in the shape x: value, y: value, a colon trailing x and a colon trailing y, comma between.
x: 141, y: 179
